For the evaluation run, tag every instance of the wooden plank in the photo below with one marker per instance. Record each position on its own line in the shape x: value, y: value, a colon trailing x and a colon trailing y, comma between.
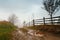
x: 38, y: 21
x: 57, y: 17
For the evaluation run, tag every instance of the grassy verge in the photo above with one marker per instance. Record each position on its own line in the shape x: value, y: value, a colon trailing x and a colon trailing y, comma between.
x: 46, y: 28
x: 5, y: 30
x: 23, y: 30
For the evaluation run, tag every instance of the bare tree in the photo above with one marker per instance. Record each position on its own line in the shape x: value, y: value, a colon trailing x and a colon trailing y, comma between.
x: 24, y: 23
x: 12, y: 19
x: 51, y: 6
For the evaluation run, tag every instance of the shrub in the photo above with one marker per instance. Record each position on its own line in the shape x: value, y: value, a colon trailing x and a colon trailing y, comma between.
x: 5, y: 30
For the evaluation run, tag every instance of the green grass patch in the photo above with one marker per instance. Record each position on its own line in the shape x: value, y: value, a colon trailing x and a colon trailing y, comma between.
x: 5, y: 30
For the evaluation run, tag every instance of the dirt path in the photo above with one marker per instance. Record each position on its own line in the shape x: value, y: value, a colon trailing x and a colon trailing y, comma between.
x: 19, y: 35
x: 52, y: 37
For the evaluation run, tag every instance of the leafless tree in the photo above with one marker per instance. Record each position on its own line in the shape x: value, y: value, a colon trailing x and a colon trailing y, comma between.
x: 12, y: 19
x: 24, y: 23
x: 51, y: 6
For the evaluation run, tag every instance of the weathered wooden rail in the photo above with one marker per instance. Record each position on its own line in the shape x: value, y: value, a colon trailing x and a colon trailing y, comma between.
x: 44, y: 21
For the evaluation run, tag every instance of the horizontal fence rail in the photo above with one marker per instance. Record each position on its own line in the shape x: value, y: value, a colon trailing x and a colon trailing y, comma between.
x: 44, y: 21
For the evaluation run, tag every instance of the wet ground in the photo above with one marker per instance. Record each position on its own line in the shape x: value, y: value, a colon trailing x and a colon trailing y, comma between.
x: 25, y: 36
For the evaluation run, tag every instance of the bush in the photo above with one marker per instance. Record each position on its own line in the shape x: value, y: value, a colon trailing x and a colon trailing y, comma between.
x: 5, y: 30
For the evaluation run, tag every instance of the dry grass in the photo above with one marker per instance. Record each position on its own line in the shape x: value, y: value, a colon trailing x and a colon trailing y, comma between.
x: 47, y: 28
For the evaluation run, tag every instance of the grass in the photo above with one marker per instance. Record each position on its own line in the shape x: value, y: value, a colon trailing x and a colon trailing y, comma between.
x: 5, y: 30
x: 5, y: 36
x: 33, y: 28
x: 46, y: 28
x: 23, y: 30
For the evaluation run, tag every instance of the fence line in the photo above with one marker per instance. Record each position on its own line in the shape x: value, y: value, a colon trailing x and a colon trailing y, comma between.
x: 44, y: 21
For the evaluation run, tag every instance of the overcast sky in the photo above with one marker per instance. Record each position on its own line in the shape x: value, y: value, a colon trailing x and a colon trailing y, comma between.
x: 24, y: 9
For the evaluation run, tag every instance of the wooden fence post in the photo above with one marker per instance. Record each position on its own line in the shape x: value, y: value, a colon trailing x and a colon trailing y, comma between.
x: 33, y: 22
x: 44, y: 20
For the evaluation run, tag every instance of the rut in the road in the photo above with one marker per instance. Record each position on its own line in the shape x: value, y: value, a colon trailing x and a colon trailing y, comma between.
x: 19, y: 36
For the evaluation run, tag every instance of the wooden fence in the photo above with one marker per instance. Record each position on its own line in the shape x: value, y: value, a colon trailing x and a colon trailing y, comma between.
x: 44, y: 21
